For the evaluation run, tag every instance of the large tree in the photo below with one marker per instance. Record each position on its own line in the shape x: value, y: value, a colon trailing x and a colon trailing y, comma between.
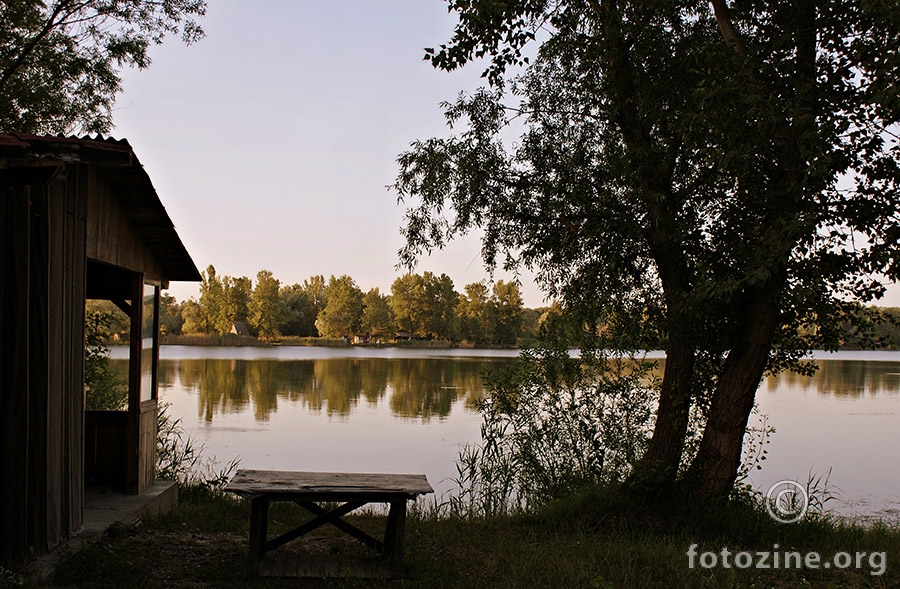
x: 476, y: 314
x: 441, y: 299
x: 718, y: 179
x: 408, y: 304
x: 343, y: 308
x: 204, y: 318
x: 171, y: 319
x: 508, y: 306
x: 425, y: 305
x: 60, y: 60
x: 266, y: 308
x: 236, y: 294
x: 303, y: 303
x: 377, y: 317
x: 300, y: 317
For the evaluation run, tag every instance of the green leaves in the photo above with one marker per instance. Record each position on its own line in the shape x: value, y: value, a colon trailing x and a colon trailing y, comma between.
x: 60, y: 60
x: 266, y: 307
x: 647, y: 150
x: 498, y: 30
x: 343, y: 309
x: 553, y: 424
x: 724, y: 178
x: 105, y: 389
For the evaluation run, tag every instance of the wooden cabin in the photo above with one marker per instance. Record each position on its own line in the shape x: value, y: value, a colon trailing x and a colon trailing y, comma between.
x: 240, y: 328
x: 79, y: 220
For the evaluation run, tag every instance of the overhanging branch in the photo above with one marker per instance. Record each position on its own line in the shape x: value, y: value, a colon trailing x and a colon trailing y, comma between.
x: 732, y: 39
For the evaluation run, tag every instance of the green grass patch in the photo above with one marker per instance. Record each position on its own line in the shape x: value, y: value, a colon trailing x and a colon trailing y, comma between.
x: 594, y: 539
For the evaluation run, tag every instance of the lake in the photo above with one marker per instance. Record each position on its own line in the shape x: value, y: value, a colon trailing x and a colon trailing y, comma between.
x: 410, y: 411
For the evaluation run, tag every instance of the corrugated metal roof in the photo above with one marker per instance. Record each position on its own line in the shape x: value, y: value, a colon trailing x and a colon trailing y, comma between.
x: 129, y: 182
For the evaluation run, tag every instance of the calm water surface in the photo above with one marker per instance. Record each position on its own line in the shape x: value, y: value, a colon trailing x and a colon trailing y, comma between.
x: 846, y: 418
x: 410, y: 411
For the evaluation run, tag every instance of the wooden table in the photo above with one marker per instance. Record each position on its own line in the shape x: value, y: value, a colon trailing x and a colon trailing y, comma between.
x: 307, y: 489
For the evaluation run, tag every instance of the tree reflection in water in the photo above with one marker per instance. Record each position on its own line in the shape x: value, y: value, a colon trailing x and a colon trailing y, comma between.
x: 342, y: 413
x: 415, y: 388
x: 424, y: 388
x: 844, y: 378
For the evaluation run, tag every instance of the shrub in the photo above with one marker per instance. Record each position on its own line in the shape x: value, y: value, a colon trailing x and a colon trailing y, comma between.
x: 179, y: 459
x: 554, y: 423
x: 104, y: 388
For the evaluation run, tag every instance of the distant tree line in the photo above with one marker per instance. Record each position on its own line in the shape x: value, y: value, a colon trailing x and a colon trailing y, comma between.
x: 420, y: 306
x: 867, y: 331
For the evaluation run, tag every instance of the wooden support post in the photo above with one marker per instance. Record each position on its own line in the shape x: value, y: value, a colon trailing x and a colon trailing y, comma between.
x: 394, y: 533
x: 259, y: 527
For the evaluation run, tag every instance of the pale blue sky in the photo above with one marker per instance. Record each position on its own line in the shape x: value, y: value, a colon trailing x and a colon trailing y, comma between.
x: 271, y: 141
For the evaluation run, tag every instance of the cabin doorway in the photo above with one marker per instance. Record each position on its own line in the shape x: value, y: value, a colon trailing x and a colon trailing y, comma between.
x: 122, y: 309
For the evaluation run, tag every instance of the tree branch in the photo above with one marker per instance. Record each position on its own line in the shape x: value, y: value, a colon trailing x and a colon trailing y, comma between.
x: 51, y: 24
x: 728, y: 33
x: 598, y: 8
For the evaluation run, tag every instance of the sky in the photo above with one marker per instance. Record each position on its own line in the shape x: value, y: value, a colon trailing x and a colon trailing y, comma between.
x: 271, y: 142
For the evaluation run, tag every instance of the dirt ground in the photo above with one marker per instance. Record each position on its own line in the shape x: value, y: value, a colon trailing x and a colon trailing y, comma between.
x: 191, y: 559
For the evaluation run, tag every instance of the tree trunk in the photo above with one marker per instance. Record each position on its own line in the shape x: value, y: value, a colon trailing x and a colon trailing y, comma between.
x: 659, y: 464
x: 714, y: 469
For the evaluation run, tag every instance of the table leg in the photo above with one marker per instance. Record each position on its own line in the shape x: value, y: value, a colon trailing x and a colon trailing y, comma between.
x: 259, y: 524
x: 393, y: 535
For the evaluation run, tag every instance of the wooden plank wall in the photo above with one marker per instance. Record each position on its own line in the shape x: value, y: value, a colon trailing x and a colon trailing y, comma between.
x: 76, y: 264
x: 113, y: 239
x: 41, y: 348
x: 15, y: 211
x: 105, y: 449
x: 52, y: 219
x: 147, y: 446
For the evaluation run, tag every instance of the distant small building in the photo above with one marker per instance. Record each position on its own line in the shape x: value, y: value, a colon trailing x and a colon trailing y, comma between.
x: 402, y: 336
x: 240, y: 328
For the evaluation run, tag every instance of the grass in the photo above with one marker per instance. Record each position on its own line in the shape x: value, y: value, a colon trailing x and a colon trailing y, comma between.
x: 593, y: 539
x: 321, y: 342
x: 211, y: 339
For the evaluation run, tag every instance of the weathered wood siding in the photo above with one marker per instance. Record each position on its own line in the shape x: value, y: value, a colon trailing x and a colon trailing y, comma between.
x: 147, y: 446
x: 105, y: 449
x: 41, y: 367
x: 113, y: 238
x: 70, y: 208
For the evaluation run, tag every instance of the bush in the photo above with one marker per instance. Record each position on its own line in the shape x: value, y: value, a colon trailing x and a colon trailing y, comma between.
x: 553, y: 424
x: 179, y: 459
x: 104, y: 388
